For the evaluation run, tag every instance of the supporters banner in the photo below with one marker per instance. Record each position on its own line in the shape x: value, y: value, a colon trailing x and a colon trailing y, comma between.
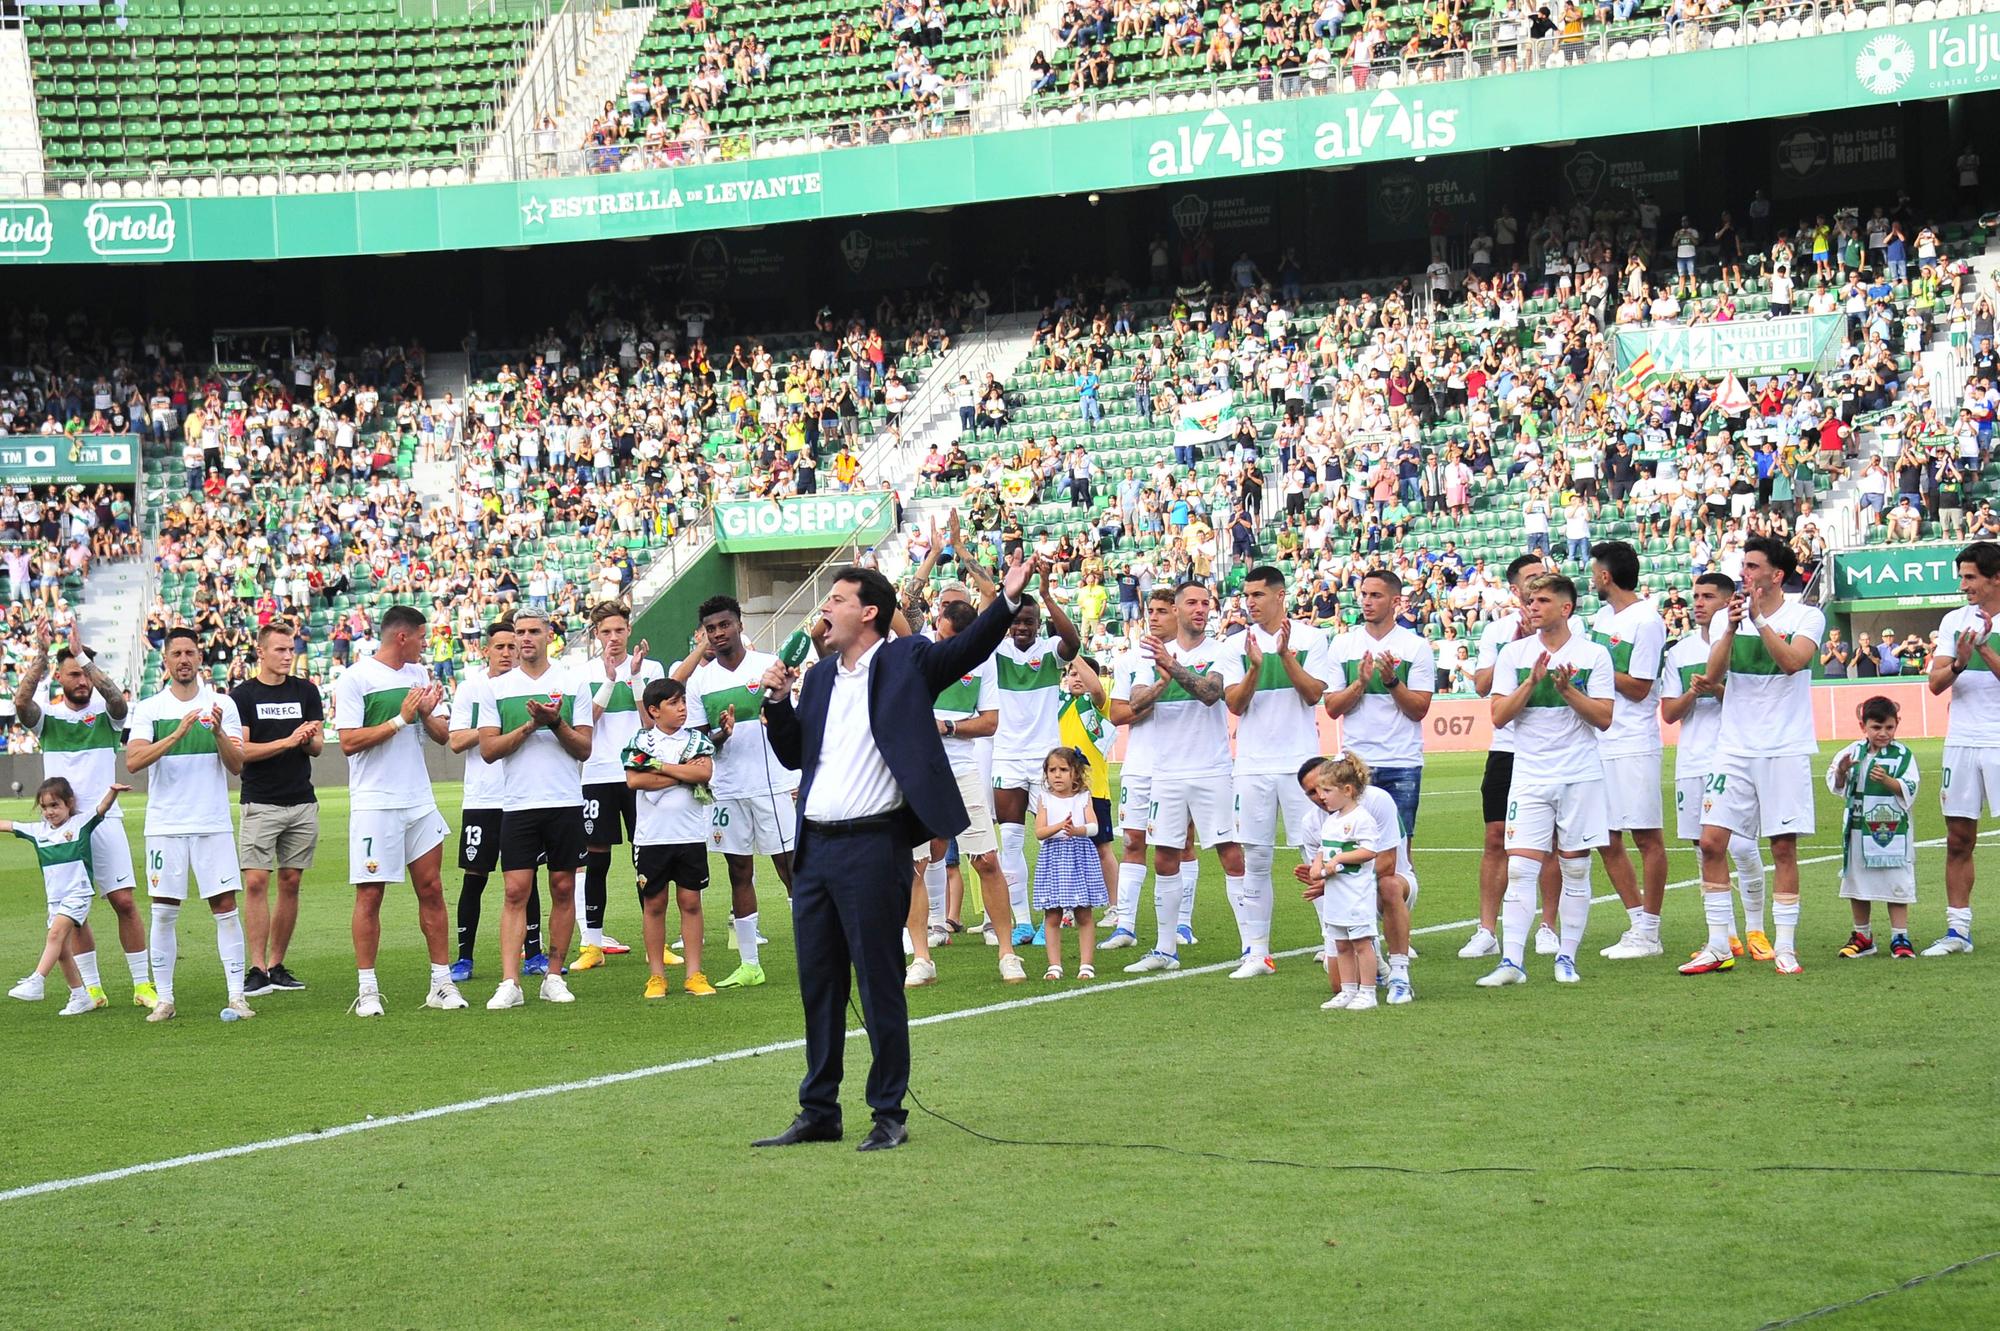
x: 803, y: 521
x: 257, y: 217
x: 1836, y: 155
x: 1895, y: 571
x: 1204, y: 419
x: 1743, y: 346
x: 53, y: 459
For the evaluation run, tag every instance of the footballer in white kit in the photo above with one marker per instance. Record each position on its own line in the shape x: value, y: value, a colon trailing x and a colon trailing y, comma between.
x: 1384, y: 676
x: 1556, y: 689
x: 1286, y: 669
x: 1191, y: 764
x: 1688, y: 698
x: 1967, y: 665
x: 1628, y: 626
x: 1760, y: 781
x: 1135, y: 688
x: 192, y: 739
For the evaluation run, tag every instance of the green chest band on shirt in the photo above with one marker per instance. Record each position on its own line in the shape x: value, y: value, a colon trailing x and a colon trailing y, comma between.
x: 621, y: 699
x: 747, y: 699
x: 514, y: 711
x: 386, y: 704
x: 1544, y: 694
x: 1037, y: 672
x: 199, y: 739
x: 1174, y: 692
x: 960, y: 696
x: 1749, y: 656
x: 1374, y: 684
x: 1621, y: 651
x: 64, y: 735
x: 1270, y: 672
x: 1978, y: 661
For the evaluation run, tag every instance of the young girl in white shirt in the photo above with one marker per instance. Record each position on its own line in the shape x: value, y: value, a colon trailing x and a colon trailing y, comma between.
x: 1069, y: 876
x: 1344, y: 876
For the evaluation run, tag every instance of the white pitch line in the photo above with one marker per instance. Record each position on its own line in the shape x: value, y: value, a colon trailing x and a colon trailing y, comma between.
x: 372, y: 1124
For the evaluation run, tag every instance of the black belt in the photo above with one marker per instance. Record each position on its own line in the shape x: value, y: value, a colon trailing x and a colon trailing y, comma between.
x: 881, y: 822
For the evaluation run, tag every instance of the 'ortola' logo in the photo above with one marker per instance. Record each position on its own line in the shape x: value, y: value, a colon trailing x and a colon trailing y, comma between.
x: 25, y: 231
x: 118, y: 230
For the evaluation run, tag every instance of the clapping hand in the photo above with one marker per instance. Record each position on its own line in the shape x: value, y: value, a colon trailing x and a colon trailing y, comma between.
x: 725, y: 725
x: 304, y: 734
x: 1565, y: 674
x: 1253, y: 655
x: 1018, y: 573
x: 638, y: 658
x: 1541, y: 668
x: 543, y: 713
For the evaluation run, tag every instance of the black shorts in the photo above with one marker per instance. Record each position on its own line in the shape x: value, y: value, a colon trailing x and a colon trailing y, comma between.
x: 479, y: 840
x: 1493, y: 787
x: 1107, y: 827
x: 605, y: 803
x: 685, y: 865
x: 530, y: 837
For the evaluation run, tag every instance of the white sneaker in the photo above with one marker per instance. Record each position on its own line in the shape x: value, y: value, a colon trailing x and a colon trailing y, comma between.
x: 163, y: 1010
x: 678, y: 945
x: 1632, y: 946
x: 939, y: 936
x: 29, y: 990
x: 367, y: 1003
x: 1337, y: 1002
x: 1119, y: 937
x: 1365, y: 999
x: 507, y: 995
x: 556, y: 990
x: 922, y: 971
x: 1319, y: 957
x: 1381, y: 970
x: 1401, y: 992
x: 988, y: 936
x: 239, y: 1010
x: 1011, y: 969
x: 1953, y: 941
x: 76, y: 1007
x: 1566, y: 971
x: 445, y: 997
x: 1547, y: 942
x: 1505, y: 973
x: 1481, y: 944
x: 1155, y: 960
x: 1253, y: 967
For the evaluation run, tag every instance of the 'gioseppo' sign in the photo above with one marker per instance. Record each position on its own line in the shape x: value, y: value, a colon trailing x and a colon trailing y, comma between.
x: 803, y: 521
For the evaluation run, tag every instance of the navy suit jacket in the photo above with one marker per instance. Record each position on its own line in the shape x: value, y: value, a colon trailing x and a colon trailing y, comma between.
x: 904, y: 682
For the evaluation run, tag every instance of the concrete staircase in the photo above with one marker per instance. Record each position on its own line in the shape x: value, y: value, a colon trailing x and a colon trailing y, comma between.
x: 998, y: 105
x: 113, y: 616
x: 580, y: 61
x: 21, y: 161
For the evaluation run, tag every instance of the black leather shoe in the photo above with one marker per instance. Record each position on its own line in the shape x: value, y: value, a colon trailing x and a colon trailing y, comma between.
x: 886, y: 1135
x: 803, y: 1129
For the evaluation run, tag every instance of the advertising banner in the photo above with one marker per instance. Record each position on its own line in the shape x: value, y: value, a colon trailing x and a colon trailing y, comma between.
x: 1744, y: 346
x: 802, y: 522
x: 53, y: 459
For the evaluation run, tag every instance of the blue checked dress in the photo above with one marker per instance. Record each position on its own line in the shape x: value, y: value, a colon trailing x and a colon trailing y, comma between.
x: 1068, y: 871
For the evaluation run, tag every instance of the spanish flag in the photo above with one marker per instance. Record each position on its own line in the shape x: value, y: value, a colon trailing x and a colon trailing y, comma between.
x: 1633, y: 380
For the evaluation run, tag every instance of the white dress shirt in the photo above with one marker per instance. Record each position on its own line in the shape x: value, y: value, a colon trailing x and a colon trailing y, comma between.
x: 852, y: 781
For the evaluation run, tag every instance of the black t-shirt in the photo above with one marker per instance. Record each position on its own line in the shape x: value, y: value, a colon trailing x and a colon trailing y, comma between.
x: 271, y: 712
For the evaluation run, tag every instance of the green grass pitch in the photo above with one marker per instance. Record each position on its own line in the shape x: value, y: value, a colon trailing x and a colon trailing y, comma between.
x: 638, y: 1203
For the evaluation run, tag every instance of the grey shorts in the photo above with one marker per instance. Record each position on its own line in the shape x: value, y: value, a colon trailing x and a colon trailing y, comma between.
x: 281, y: 836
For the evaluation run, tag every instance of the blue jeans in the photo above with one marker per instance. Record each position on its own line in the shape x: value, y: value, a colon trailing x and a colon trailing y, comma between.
x: 1405, y: 786
x: 1093, y: 410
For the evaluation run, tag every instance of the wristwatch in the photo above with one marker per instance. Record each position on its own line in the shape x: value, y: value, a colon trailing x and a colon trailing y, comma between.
x: 951, y: 727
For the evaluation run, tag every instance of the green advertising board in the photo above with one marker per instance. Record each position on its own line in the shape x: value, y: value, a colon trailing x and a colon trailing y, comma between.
x: 1882, y: 572
x: 54, y: 459
x: 1743, y: 346
x: 803, y: 522
x: 1757, y: 81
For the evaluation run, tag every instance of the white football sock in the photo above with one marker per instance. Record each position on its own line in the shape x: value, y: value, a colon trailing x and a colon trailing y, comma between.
x: 229, y: 942
x: 1649, y: 923
x: 1749, y: 859
x: 934, y: 889
x: 135, y: 962
x: 1635, y: 913
x: 368, y: 984
x: 164, y: 946
x: 86, y: 965
x: 1518, y: 907
x: 1399, y: 966
x: 1258, y: 899
x: 746, y: 937
x: 591, y: 937
x: 440, y: 974
x: 1167, y: 911
x: 1014, y: 866
x: 1959, y: 918
x: 1131, y: 885
x: 1720, y: 911
x: 1786, y: 914
x: 1573, y: 910
x: 1232, y: 887
x: 1190, y: 876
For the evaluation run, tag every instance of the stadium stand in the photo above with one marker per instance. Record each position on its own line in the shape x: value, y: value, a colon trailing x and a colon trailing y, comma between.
x: 183, y: 87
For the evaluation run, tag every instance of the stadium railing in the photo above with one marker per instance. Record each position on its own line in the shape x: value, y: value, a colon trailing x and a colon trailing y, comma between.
x: 1489, y: 56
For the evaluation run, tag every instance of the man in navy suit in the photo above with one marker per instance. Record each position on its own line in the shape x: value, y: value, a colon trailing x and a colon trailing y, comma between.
x: 875, y: 784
